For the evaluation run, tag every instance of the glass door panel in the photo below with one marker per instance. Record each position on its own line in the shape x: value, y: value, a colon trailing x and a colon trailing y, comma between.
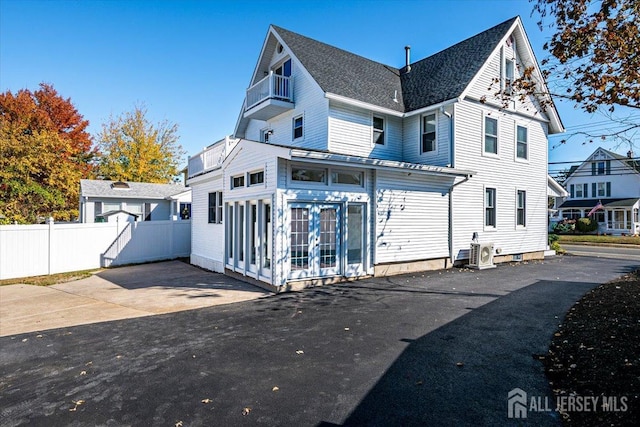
x: 315, y: 241
x: 328, y: 240
x: 299, y: 239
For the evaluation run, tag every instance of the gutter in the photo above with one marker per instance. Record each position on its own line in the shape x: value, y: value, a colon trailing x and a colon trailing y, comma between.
x: 388, y: 111
x: 377, y: 163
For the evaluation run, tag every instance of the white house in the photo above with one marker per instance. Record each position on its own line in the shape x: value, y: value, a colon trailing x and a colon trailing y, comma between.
x: 104, y: 201
x: 343, y: 167
x: 608, y: 179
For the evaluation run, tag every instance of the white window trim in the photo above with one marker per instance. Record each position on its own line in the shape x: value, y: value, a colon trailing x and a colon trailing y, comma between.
x: 484, y: 208
x: 518, y: 226
x: 384, y: 129
x: 233, y: 177
x: 515, y: 143
x: 482, y: 151
x: 293, y: 124
x: 247, y: 179
x: 353, y: 186
x: 293, y: 182
x: 266, y: 132
x: 507, y: 88
x: 421, y: 124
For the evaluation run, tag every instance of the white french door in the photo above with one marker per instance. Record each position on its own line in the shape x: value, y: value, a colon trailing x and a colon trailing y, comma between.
x: 314, y: 241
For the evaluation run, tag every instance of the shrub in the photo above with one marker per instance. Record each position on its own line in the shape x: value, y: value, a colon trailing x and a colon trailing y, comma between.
x: 585, y: 225
x: 556, y: 247
x: 553, y: 238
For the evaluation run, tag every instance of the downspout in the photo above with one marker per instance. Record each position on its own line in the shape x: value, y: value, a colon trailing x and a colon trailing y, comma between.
x: 451, y: 135
x: 466, y: 178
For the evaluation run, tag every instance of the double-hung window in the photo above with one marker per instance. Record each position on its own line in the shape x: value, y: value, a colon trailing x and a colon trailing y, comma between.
x: 521, y: 208
x: 428, y: 143
x: 298, y: 127
x: 378, y: 130
x: 490, y: 207
x: 522, y: 143
x: 579, y: 191
x: 215, y: 207
x: 490, y: 135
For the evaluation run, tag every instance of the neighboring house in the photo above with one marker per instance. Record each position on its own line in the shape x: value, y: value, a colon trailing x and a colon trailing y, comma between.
x: 343, y: 167
x: 608, y: 179
x: 102, y: 201
x: 556, y: 194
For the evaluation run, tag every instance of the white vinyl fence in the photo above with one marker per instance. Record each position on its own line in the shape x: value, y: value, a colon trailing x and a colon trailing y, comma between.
x: 33, y: 250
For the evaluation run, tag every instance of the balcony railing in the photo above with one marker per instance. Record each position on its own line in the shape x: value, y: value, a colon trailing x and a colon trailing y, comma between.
x: 272, y: 86
x: 211, y: 157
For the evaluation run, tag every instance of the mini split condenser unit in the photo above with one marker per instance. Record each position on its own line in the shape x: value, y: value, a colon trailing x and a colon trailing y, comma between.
x: 481, y: 256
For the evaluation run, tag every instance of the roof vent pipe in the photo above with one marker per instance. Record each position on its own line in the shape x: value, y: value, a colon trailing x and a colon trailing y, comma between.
x: 407, y: 51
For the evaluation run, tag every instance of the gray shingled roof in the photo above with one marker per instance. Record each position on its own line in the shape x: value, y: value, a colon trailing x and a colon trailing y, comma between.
x: 138, y: 190
x: 437, y: 78
x: 344, y: 73
x: 589, y: 203
x: 447, y: 74
x: 632, y: 163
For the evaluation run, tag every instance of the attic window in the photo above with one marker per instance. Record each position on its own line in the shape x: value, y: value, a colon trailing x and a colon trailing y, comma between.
x: 120, y: 185
x: 280, y: 48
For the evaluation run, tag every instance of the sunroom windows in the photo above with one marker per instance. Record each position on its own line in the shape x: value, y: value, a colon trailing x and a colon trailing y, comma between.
x: 326, y: 176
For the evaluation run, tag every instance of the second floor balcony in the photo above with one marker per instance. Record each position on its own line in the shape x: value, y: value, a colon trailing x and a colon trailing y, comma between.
x: 271, y: 96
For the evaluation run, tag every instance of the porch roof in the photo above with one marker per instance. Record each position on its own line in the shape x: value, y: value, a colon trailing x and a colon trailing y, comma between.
x: 589, y: 203
x: 378, y: 163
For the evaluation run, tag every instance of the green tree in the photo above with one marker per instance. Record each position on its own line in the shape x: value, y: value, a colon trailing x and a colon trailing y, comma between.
x: 44, y: 152
x: 133, y: 149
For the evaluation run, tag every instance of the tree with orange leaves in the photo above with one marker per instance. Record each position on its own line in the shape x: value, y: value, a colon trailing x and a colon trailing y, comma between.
x: 45, y: 150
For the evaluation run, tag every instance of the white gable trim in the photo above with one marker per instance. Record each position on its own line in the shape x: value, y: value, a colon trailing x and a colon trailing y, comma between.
x: 555, y: 123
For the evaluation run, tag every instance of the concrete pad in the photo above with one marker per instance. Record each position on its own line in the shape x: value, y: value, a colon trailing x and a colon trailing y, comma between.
x: 119, y: 293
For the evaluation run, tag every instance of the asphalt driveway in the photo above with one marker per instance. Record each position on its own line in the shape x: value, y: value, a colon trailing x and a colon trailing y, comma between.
x: 439, y: 348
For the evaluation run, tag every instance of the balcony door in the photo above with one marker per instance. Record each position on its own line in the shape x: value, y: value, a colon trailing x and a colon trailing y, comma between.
x: 281, y: 82
x: 314, y: 240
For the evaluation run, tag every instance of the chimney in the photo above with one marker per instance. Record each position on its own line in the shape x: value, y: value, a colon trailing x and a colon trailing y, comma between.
x: 407, y: 51
x: 630, y: 154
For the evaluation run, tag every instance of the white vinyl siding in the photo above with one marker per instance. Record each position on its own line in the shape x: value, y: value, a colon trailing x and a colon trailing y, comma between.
x: 504, y: 174
x: 351, y: 132
x: 207, y: 250
x: 493, y: 79
x: 412, y: 218
x: 411, y: 148
x: 309, y: 101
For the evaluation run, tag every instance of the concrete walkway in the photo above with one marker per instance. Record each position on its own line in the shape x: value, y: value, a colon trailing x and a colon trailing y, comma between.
x: 119, y: 293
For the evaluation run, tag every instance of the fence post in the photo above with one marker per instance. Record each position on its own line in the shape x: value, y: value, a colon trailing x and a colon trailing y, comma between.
x: 50, y: 248
x: 172, y: 224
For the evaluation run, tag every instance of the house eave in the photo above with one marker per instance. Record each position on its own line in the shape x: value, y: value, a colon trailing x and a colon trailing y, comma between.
x: 432, y: 107
x: 361, y: 104
x: 330, y: 158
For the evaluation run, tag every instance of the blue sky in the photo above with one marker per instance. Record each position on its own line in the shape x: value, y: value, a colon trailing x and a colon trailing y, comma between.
x: 190, y: 61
